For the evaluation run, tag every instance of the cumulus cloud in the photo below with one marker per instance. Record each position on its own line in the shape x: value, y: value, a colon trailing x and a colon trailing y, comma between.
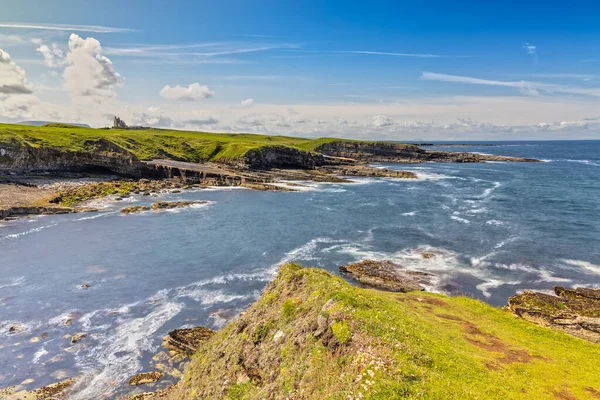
x: 12, y: 77
x: 53, y: 55
x: 380, y: 121
x: 193, y: 92
x: 247, y: 103
x: 89, y: 74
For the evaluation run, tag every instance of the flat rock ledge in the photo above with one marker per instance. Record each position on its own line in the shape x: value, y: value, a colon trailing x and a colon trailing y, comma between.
x: 366, y: 171
x: 188, y: 340
x: 574, y: 311
x: 146, y: 377
x: 54, y: 391
x: 161, y: 205
x: 387, y: 275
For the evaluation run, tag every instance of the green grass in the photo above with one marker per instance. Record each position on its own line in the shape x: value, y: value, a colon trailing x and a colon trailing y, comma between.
x: 152, y: 143
x: 382, y: 345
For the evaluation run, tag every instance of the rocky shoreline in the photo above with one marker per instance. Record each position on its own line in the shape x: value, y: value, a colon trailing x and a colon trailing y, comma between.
x: 261, y: 169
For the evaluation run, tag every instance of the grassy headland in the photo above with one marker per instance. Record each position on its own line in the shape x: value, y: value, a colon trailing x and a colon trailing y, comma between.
x: 149, y: 144
x: 313, y: 335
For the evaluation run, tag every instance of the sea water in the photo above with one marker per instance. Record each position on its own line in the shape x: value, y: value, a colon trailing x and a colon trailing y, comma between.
x: 494, y: 229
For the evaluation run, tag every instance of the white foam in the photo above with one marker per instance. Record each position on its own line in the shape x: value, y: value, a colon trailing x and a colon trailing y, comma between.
x: 586, y: 162
x: 487, y: 192
x: 410, y: 214
x: 208, y: 297
x: 39, y: 354
x: 494, y: 222
x: 99, y: 215
x: 28, y: 232
x: 18, y: 281
x: 547, y: 276
x: 117, y: 355
x: 492, y: 284
x: 459, y: 219
x: 585, y: 265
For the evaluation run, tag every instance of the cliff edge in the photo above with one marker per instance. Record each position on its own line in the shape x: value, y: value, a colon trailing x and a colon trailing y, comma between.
x: 312, y: 335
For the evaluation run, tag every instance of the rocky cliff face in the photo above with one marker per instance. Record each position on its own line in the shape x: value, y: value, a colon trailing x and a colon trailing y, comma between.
x: 283, y: 157
x: 24, y: 159
x: 100, y: 155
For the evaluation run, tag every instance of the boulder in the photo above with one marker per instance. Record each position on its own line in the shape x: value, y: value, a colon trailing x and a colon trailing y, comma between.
x: 574, y: 311
x: 387, y: 275
x: 146, y: 377
x: 188, y: 340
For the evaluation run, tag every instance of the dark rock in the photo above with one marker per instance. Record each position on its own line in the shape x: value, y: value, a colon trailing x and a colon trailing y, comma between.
x: 574, y: 311
x: 134, y: 209
x: 167, y: 205
x: 268, y: 157
x: 361, y: 170
x: 387, y: 275
x: 408, y: 153
x: 188, y: 340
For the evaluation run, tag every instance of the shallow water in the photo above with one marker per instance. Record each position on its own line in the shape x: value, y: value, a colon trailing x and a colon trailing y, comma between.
x: 495, y: 229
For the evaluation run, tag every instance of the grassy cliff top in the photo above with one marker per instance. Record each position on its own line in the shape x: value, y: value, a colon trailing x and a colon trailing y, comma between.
x: 312, y: 335
x: 153, y: 143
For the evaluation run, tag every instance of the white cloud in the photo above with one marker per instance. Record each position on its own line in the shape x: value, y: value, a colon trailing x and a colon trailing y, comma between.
x: 384, y: 53
x: 53, y: 56
x: 64, y: 27
x: 380, y: 121
x: 247, y: 103
x: 12, y: 77
x: 528, y: 47
x: 202, y: 121
x: 526, y: 87
x: 17, y: 40
x: 89, y: 74
x: 193, y: 92
x: 531, y: 50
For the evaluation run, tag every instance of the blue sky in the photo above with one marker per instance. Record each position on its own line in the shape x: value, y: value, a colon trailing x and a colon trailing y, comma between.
x: 387, y: 70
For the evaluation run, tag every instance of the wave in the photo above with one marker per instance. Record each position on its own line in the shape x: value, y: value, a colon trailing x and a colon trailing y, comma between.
x: 99, y: 215
x: 494, y: 222
x: 584, y: 265
x: 459, y: 219
x: 28, y: 232
x: 594, y: 163
x: 39, y: 354
x: 493, y: 284
x: 117, y: 355
x: 18, y: 281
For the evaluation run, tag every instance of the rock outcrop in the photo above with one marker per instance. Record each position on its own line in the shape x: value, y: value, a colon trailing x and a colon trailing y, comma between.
x: 574, y: 311
x: 146, y: 377
x: 362, y: 170
x: 161, y: 205
x: 188, y: 340
x: 387, y: 275
x: 268, y: 157
x: 405, y: 153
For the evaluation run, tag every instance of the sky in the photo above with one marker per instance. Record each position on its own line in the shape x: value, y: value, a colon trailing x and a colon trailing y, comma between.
x: 391, y: 70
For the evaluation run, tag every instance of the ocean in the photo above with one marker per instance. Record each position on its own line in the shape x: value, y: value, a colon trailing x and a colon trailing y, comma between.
x: 494, y: 229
